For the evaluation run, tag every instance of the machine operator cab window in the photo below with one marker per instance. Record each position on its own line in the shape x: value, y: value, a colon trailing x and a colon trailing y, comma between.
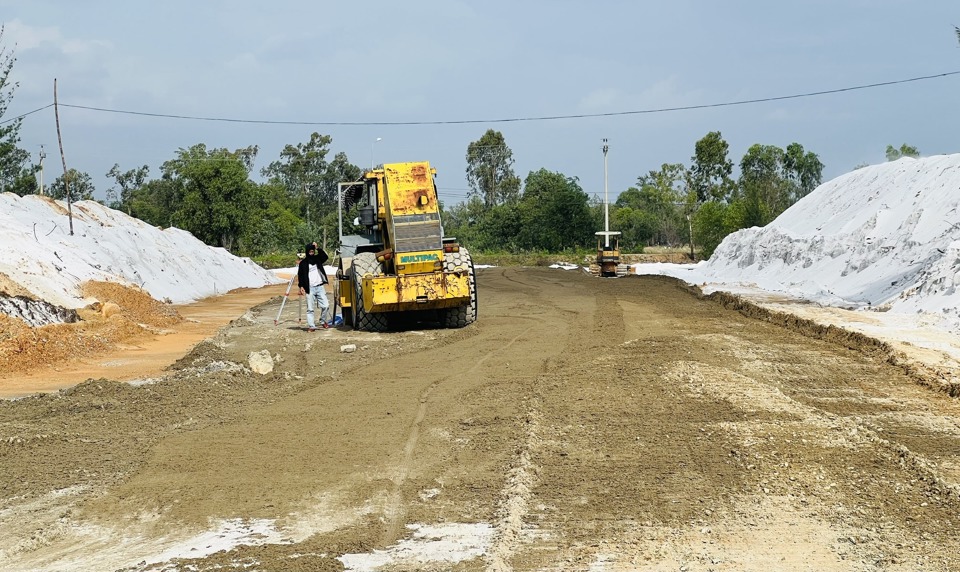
x: 368, y: 212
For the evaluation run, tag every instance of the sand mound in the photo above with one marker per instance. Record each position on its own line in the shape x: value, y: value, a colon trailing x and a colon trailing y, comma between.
x: 130, y: 314
x: 135, y: 304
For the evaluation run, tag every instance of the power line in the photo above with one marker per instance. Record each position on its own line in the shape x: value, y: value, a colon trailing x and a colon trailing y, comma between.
x: 21, y: 116
x: 514, y: 119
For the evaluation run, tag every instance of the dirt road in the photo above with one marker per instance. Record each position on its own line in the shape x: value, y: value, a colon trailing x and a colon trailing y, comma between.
x: 580, y: 424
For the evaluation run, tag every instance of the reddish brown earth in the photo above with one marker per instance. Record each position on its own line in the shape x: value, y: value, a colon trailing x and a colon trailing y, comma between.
x: 579, y: 424
x: 139, y: 342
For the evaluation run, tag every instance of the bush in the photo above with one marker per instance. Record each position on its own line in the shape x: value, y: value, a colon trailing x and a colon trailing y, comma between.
x: 272, y: 260
x: 570, y: 256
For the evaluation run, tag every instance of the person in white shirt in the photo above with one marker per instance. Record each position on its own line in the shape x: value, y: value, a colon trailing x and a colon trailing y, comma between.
x: 312, y: 279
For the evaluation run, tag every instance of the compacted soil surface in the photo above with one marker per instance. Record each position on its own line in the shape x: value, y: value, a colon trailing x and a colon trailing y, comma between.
x: 580, y: 424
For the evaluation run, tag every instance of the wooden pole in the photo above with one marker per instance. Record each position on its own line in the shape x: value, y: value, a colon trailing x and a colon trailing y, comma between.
x: 66, y: 176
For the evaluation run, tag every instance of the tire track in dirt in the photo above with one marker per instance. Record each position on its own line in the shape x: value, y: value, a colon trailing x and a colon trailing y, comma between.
x: 745, y: 391
x: 922, y: 374
x: 517, y: 493
x: 671, y: 477
x: 604, y: 319
x: 540, y: 419
x: 393, y: 510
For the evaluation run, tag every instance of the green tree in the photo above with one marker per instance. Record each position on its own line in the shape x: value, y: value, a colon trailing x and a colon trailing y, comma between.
x: 126, y: 183
x: 904, y: 151
x: 340, y: 170
x: 81, y: 186
x: 501, y: 226
x: 13, y: 160
x: 712, y: 222
x: 554, y: 212
x: 463, y: 221
x: 217, y: 192
x: 490, y: 170
x: 764, y: 190
x: 637, y: 227
x: 26, y: 183
x: 662, y: 195
x: 310, y: 180
x: 803, y: 170
x: 710, y: 172
x: 156, y: 201
x: 301, y: 170
x: 272, y: 224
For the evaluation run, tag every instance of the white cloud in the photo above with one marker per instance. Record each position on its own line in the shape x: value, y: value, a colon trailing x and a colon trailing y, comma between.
x: 664, y: 93
x: 779, y: 114
x: 667, y: 93
x: 83, y: 47
x: 27, y: 38
x: 601, y: 99
x: 244, y: 62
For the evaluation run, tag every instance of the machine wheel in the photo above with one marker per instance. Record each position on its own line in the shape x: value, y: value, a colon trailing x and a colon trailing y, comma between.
x: 365, y: 263
x: 462, y: 315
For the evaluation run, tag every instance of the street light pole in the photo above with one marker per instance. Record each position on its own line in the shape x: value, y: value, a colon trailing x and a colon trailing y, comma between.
x: 371, y: 152
x: 606, y: 202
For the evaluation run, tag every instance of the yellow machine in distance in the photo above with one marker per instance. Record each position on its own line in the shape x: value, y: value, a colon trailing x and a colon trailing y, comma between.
x: 607, y: 262
x: 400, y: 264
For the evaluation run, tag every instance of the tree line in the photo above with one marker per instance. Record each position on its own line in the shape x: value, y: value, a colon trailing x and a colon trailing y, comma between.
x: 211, y: 192
x: 667, y: 207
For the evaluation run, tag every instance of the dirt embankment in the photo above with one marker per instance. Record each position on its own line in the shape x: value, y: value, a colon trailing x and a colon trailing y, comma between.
x: 647, y: 257
x: 125, y: 334
x: 121, y: 313
x: 580, y: 424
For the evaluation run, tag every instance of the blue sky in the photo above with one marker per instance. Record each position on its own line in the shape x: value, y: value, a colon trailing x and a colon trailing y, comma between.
x: 451, y: 61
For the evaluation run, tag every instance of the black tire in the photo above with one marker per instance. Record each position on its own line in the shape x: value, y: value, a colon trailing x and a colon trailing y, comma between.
x: 461, y: 316
x: 366, y: 263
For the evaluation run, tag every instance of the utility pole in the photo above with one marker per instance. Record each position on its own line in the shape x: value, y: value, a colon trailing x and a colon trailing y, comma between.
x: 43, y: 156
x: 66, y: 174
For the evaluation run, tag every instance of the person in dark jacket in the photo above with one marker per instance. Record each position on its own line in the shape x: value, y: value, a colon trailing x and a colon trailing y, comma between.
x: 312, y: 279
